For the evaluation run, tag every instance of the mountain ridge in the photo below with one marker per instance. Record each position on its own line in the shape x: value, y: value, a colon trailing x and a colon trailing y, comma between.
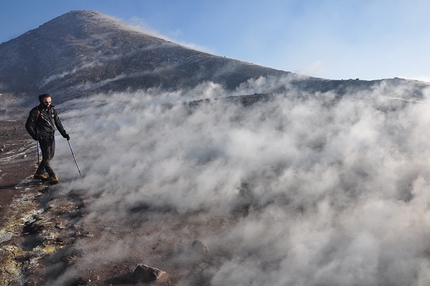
x: 87, y: 48
x: 85, y: 52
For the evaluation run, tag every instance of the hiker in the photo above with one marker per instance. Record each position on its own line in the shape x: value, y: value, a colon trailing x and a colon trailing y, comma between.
x: 41, y: 123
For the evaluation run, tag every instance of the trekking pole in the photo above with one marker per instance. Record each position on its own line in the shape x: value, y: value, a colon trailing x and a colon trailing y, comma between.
x: 38, y: 153
x: 73, y: 154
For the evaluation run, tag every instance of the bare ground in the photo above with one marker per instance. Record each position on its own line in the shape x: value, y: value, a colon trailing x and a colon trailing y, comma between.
x: 15, y: 144
x: 39, y: 229
x: 42, y: 232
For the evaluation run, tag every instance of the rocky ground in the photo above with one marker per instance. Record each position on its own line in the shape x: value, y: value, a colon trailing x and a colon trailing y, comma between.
x: 42, y: 232
x: 39, y: 229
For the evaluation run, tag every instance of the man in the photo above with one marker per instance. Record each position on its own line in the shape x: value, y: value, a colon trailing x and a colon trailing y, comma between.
x: 41, y: 123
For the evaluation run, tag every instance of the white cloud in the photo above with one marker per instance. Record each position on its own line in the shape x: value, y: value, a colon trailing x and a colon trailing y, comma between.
x: 314, y: 69
x: 141, y: 26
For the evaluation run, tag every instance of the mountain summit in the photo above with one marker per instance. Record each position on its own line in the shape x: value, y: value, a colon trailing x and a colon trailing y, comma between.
x: 85, y: 52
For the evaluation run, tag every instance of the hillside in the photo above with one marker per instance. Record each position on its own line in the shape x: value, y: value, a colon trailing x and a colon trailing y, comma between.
x: 85, y: 52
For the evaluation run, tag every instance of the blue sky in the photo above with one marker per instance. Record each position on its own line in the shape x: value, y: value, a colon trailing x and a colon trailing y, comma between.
x: 335, y: 39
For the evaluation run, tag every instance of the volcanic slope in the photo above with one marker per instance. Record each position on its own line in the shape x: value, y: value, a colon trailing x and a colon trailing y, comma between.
x: 85, y: 52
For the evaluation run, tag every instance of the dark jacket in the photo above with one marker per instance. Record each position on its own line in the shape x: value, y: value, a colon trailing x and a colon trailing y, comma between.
x: 41, y: 123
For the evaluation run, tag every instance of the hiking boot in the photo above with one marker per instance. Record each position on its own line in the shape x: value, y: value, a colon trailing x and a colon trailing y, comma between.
x: 42, y: 177
x: 54, y: 180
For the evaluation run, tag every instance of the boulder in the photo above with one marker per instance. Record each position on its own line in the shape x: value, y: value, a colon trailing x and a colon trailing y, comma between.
x: 145, y: 273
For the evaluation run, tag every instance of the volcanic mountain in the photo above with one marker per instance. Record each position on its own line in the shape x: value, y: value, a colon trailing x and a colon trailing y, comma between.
x: 85, y: 52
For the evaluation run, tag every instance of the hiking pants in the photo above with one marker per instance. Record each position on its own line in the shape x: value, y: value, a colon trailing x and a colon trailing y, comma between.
x: 47, y: 145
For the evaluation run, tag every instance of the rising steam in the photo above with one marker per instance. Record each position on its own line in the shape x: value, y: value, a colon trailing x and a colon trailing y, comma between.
x: 327, y: 190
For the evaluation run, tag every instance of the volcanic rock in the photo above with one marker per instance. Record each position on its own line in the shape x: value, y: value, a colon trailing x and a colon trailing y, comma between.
x: 145, y: 273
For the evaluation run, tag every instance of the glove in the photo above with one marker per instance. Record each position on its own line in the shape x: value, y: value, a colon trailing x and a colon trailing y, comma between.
x: 67, y: 136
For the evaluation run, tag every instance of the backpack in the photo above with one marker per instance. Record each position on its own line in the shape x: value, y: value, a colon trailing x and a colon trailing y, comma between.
x: 38, y: 112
